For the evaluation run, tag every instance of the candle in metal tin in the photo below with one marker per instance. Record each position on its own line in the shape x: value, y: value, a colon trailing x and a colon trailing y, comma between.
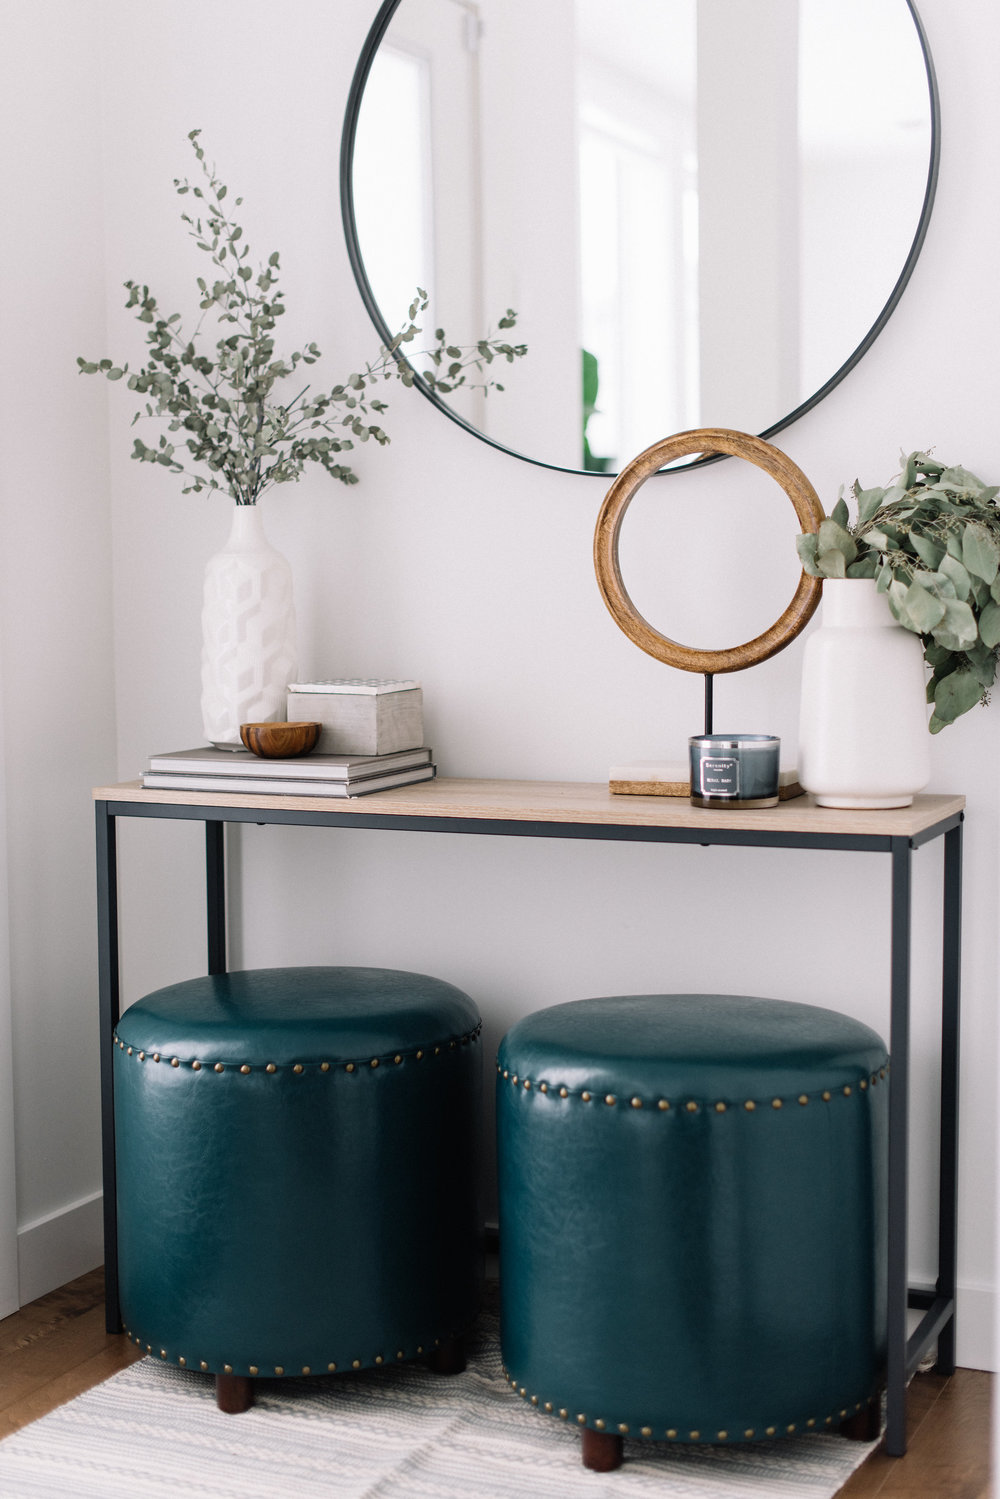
x: 734, y: 770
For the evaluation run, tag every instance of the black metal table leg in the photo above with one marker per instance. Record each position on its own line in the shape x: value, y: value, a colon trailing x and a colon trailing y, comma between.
x: 950, y: 1018
x: 109, y: 1001
x: 899, y: 1050
x: 215, y: 893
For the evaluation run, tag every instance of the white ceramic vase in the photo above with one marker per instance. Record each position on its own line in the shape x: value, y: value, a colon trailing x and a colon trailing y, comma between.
x: 863, y: 737
x: 248, y: 633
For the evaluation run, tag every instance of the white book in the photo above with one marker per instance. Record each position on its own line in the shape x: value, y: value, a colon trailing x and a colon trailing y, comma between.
x: 162, y: 781
x: 207, y: 761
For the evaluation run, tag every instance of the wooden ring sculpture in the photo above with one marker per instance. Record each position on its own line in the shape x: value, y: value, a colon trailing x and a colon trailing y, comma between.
x: 621, y: 494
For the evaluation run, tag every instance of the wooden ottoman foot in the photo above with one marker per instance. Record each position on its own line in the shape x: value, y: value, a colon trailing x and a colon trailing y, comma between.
x: 602, y: 1450
x: 449, y: 1358
x: 865, y: 1425
x: 233, y: 1393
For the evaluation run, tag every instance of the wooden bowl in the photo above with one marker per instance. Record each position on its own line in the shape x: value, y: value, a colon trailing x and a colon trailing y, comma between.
x: 279, y: 741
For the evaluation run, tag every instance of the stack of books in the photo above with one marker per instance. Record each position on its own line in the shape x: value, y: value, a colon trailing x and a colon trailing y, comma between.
x: 309, y: 775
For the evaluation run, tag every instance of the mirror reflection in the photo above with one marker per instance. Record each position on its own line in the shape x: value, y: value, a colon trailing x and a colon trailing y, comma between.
x: 698, y: 208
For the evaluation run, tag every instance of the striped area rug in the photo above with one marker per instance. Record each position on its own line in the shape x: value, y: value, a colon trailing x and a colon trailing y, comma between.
x: 153, y: 1432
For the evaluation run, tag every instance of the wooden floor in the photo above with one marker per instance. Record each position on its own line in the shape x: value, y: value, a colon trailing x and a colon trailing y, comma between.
x: 56, y: 1348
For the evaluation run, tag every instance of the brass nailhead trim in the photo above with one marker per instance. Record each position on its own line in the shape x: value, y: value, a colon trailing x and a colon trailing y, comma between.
x: 324, y: 1066
x: 227, y: 1368
x: 245, y: 1069
x: 692, y: 1105
x: 182, y: 1362
x: 331, y: 1368
x: 279, y: 1368
x: 356, y: 1363
x: 175, y: 1061
x: 748, y: 1433
x: 349, y: 1067
x: 623, y: 1428
x: 769, y: 1431
x: 142, y: 1056
x: 254, y: 1369
x: 297, y: 1067
x: 722, y: 1436
x: 306, y: 1369
x: 219, y: 1067
x: 671, y: 1433
x: 195, y: 1066
x: 205, y: 1367
x: 270, y: 1067
x: 599, y: 1425
x: 694, y: 1435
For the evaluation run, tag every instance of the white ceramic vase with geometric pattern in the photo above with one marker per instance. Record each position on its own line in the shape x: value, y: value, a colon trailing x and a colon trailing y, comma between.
x: 248, y: 633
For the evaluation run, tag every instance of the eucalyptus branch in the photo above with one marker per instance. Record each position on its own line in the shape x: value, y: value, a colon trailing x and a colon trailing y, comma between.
x: 931, y: 542
x: 225, y: 410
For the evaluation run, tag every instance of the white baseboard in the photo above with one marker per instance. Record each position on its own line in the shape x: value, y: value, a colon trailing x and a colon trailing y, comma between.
x: 976, y: 1318
x: 59, y: 1247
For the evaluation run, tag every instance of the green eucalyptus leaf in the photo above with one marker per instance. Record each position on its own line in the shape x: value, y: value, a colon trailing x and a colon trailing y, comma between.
x: 958, y: 628
x: 927, y: 550
x: 958, y: 575
x: 980, y: 551
x: 832, y: 564
x: 954, y: 695
x: 865, y: 567
x: 839, y: 515
x: 989, y: 625
x: 833, y: 537
x: 921, y: 610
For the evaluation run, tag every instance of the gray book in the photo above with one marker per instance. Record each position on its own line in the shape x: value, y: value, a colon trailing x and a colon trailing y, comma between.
x: 207, y: 761
x: 155, y: 780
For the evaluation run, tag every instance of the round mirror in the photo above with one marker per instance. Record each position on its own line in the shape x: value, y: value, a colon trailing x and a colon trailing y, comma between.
x: 702, y: 211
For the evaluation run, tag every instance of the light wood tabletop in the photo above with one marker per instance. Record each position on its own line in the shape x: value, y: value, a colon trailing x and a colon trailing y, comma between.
x: 579, y: 802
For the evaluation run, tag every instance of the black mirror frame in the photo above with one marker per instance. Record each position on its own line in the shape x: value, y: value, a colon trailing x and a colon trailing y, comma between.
x: 372, y: 42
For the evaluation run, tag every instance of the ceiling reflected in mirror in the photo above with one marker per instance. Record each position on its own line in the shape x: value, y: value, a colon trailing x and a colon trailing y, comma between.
x: 702, y: 211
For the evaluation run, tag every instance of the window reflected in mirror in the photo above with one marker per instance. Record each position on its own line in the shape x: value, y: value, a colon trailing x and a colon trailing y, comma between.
x: 698, y: 208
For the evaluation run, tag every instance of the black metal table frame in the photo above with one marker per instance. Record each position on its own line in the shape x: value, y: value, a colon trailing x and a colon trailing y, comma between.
x: 937, y: 1302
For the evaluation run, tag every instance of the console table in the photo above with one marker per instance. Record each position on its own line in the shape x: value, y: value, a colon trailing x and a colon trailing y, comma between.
x: 555, y: 809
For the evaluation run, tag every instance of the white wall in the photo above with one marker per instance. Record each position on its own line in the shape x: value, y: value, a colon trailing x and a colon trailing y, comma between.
x: 450, y: 562
x: 55, y: 619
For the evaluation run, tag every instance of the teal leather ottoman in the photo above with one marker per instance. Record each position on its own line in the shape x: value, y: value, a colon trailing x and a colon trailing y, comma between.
x: 692, y: 1218
x: 298, y: 1173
